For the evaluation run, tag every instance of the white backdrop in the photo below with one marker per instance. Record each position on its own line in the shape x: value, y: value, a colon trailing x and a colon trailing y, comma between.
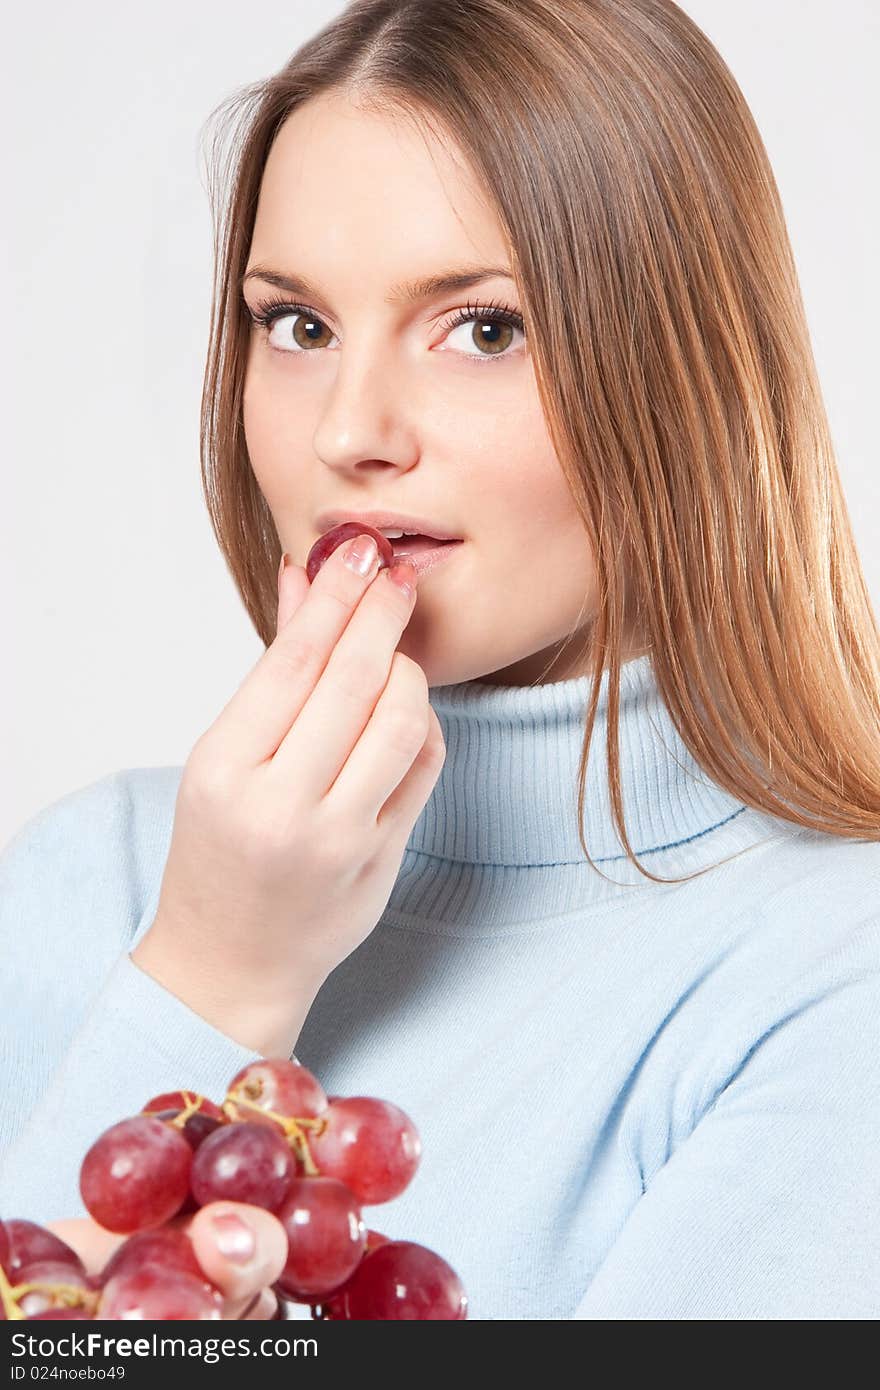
x: 122, y: 633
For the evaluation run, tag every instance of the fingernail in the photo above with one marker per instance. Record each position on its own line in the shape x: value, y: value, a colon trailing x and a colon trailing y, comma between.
x: 361, y: 555
x: 285, y: 561
x: 235, y: 1240
x: 404, y: 576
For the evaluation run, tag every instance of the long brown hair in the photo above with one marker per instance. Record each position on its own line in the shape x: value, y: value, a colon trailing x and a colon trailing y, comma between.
x: 673, y: 361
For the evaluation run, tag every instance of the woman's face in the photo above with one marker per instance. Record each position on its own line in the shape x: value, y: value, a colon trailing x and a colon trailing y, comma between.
x: 363, y: 403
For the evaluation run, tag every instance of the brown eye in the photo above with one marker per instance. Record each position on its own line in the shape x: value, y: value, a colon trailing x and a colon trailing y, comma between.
x: 489, y: 328
x: 493, y: 337
x: 309, y: 332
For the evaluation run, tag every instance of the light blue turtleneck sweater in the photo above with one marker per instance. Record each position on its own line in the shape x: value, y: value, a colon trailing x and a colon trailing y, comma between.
x: 635, y: 1100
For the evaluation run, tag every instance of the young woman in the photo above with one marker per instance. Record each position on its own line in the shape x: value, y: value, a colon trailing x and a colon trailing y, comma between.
x: 573, y: 854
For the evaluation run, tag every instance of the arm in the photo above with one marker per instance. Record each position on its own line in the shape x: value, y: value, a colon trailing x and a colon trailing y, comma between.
x: 86, y: 1037
x: 770, y: 1209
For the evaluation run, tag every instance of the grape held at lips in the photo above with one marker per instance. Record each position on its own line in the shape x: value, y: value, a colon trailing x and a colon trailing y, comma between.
x: 346, y: 530
x: 278, y: 1142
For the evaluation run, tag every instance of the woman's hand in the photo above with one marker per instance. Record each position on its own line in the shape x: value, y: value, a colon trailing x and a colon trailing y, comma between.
x: 294, y: 809
x: 246, y: 1287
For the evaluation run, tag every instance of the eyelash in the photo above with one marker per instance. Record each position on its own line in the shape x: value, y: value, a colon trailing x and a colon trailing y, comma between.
x: 268, y: 310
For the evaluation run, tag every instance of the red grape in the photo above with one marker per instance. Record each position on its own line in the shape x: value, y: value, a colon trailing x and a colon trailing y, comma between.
x: 182, y: 1100
x: 403, y: 1280
x: 50, y: 1274
x: 275, y: 1084
x: 325, y: 545
x: 28, y: 1242
x: 199, y: 1124
x: 136, y: 1175
x: 243, y: 1162
x: 195, y: 1129
x: 166, y: 1246
x: 370, y: 1145
x: 331, y: 1305
x: 152, y: 1293
x: 278, y: 1142
x: 325, y: 1233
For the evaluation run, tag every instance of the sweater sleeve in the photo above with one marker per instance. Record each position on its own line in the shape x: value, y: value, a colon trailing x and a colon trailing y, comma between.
x: 770, y: 1208
x: 86, y: 1036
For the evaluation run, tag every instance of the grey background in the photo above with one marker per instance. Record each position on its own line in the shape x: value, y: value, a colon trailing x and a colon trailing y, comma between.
x: 122, y: 632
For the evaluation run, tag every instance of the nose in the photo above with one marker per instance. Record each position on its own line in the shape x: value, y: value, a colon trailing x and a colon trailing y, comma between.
x: 363, y: 422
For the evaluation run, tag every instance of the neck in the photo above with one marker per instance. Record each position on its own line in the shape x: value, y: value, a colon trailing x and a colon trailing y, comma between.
x: 500, y: 829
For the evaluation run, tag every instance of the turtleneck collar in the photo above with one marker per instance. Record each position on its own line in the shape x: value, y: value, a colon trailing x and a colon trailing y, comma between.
x: 507, y: 794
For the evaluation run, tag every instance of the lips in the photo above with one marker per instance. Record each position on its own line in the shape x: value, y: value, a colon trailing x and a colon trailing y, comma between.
x: 417, y: 545
x: 381, y: 521
x: 425, y: 556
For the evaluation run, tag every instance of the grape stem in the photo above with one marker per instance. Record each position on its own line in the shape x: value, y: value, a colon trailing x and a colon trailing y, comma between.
x: 7, y: 1297
x: 72, y: 1296
x: 293, y: 1126
x: 191, y: 1107
x: 192, y: 1104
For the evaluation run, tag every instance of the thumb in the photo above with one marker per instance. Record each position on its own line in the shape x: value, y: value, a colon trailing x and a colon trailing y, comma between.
x: 293, y: 585
x: 240, y: 1267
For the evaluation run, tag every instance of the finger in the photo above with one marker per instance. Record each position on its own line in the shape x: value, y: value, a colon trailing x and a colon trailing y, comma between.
x: 92, y: 1242
x: 238, y: 1274
x: 331, y: 721
x: 404, y: 806
x: 387, y: 749
x: 293, y: 586
x: 262, y: 1306
x: 257, y: 717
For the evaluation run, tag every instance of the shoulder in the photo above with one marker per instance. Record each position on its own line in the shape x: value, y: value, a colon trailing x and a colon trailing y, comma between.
x: 814, y: 914
x: 76, y: 878
x: 832, y: 860
x: 793, y: 892
x: 822, y: 891
x: 804, y: 968
x: 798, y: 906
x: 780, y: 960
x: 129, y: 805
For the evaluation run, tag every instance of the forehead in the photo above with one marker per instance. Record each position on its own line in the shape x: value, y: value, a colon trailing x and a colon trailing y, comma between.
x: 347, y: 192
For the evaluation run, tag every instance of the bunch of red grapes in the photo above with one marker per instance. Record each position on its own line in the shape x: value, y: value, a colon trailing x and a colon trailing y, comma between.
x: 277, y: 1142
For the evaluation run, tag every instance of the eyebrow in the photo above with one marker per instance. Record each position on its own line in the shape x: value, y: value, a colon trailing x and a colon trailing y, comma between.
x: 407, y: 293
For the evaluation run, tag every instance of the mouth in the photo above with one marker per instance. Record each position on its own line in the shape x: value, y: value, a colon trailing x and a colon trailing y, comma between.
x: 423, y: 552
x: 421, y: 540
x: 393, y: 525
x: 408, y: 546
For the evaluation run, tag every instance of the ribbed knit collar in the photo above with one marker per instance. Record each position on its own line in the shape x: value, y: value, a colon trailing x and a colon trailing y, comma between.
x: 507, y: 793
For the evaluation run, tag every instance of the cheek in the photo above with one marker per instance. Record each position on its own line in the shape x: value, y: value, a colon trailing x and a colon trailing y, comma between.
x: 556, y: 569
x: 571, y: 567
x: 545, y: 544
x: 532, y: 503
x: 271, y: 438
x: 535, y: 553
